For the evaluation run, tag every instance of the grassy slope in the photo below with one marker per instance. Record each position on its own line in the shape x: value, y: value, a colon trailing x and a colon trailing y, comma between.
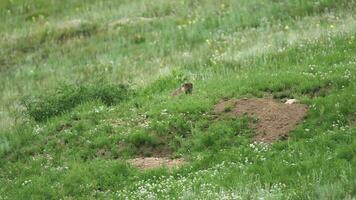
x: 302, y: 49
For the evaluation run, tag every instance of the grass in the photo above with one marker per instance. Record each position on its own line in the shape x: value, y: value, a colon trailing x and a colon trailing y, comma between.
x: 67, y: 97
x: 85, y: 86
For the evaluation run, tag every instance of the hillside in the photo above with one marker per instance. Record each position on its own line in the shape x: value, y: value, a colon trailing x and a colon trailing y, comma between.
x: 86, y: 110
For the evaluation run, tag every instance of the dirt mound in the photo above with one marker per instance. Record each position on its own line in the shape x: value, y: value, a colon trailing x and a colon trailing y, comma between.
x: 275, y: 120
x: 155, y: 162
x: 125, y: 21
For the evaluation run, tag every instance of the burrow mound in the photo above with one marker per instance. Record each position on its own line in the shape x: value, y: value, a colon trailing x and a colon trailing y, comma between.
x: 274, y: 119
x: 156, y: 162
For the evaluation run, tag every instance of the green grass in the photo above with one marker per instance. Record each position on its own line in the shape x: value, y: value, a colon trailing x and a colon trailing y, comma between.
x: 68, y: 97
x: 86, y: 85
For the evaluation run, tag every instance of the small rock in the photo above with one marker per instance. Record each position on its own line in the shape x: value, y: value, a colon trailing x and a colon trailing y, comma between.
x: 291, y: 101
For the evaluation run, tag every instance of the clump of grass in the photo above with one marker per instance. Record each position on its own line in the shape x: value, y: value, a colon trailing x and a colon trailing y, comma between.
x: 146, y: 144
x: 228, y: 108
x: 67, y: 97
x: 141, y: 138
x: 347, y: 152
x: 220, y: 135
x: 167, y: 82
x: 4, y: 145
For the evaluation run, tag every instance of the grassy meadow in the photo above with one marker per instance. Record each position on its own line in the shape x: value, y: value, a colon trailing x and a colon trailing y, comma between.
x: 85, y: 86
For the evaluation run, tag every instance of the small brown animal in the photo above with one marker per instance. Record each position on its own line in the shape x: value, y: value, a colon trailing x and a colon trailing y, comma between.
x: 187, y: 88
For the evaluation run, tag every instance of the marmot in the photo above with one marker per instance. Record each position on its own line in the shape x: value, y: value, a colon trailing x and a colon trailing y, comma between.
x: 187, y: 88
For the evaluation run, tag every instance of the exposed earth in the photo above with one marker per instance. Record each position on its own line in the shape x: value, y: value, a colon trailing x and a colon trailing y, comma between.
x: 274, y: 119
x: 155, y: 162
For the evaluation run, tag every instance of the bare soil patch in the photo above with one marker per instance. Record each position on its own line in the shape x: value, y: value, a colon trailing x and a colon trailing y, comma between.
x: 156, y: 162
x: 274, y: 119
